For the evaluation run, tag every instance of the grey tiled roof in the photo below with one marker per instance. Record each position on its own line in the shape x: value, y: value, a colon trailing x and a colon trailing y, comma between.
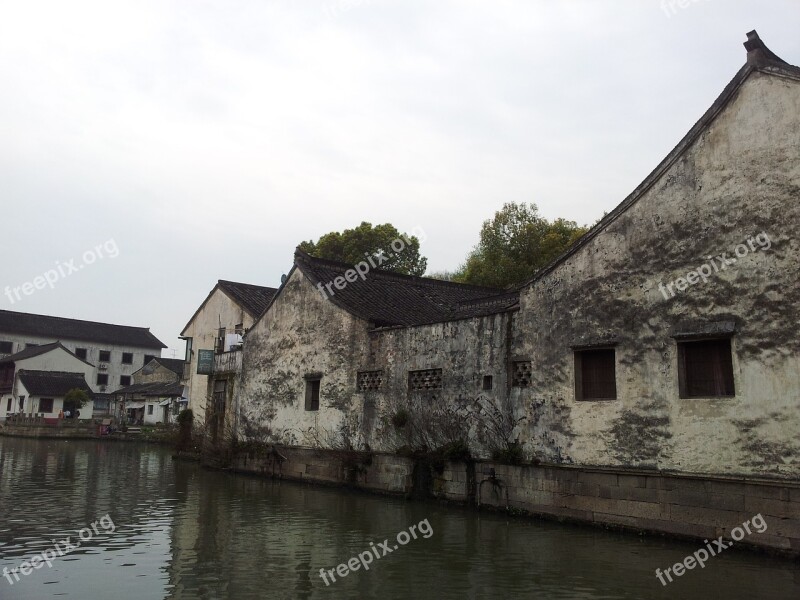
x: 158, y: 388
x: 37, y: 351
x: 253, y: 298
x: 386, y: 299
x: 60, y: 328
x: 52, y: 383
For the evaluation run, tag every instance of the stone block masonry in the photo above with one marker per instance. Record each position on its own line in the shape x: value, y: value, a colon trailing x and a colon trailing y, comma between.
x: 648, y: 501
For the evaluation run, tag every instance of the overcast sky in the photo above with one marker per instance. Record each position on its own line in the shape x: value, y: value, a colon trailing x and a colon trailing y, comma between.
x: 204, y: 140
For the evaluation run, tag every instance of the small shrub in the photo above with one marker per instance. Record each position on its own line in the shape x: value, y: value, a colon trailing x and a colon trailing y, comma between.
x: 512, y: 454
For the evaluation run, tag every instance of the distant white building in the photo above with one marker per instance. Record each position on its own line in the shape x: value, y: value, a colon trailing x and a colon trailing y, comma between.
x: 156, y: 396
x: 35, y: 381
x: 114, y: 351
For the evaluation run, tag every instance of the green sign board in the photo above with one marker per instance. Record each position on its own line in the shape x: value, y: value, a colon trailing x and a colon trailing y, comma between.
x: 205, y: 362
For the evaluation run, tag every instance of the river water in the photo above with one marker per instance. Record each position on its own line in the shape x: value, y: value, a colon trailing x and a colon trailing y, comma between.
x: 152, y: 528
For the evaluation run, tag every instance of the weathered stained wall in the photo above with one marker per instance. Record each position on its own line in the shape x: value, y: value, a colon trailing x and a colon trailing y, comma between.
x: 741, y: 178
x: 303, y: 333
x: 218, y: 311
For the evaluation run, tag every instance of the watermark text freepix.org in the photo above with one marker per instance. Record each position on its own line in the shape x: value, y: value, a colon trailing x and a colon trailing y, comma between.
x: 63, y: 269
x: 364, y: 559
x: 59, y: 549
x: 712, y: 549
x: 373, y: 261
x: 714, y: 265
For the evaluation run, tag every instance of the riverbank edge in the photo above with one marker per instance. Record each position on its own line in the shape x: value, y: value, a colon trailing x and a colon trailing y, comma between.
x: 70, y: 434
x: 692, y: 507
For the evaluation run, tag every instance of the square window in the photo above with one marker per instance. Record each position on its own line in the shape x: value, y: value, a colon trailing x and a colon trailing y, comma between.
x: 105, y: 355
x: 487, y: 382
x: 312, y: 394
x: 148, y: 358
x: 127, y: 358
x: 45, y: 405
x: 124, y: 380
x: 6, y: 347
x: 102, y: 379
x: 705, y: 369
x: 80, y: 353
x: 595, y: 374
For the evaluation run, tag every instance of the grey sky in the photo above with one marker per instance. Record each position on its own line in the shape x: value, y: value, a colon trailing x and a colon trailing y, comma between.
x: 207, y: 139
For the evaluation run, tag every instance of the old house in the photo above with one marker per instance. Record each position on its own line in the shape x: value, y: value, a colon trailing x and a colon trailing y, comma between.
x: 319, y: 366
x: 666, y: 337
x: 115, y: 351
x: 156, y: 396
x: 649, y: 377
x: 35, y: 380
x: 215, y: 331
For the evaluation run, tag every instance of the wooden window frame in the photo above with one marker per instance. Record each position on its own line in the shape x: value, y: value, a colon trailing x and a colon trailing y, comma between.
x: 313, y: 392
x: 580, y: 355
x: 726, y: 366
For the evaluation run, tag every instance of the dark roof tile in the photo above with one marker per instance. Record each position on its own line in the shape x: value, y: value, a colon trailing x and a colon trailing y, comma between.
x: 61, y: 328
x: 52, y: 383
x: 387, y: 299
x: 253, y: 298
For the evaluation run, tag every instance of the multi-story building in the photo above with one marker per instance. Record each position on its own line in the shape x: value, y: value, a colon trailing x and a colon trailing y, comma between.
x: 217, y: 327
x: 115, y: 351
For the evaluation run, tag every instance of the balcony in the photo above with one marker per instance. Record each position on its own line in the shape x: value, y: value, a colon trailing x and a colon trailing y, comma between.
x: 228, y: 362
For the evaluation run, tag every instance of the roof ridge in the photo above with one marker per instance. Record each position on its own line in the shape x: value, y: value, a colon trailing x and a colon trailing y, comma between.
x: 760, y: 59
x: 255, y: 285
x: 16, y: 312
x: 387, y: 274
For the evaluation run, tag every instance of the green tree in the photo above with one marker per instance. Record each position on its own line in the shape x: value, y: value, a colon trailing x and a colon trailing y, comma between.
x: 351, y: 245
x: 75, y: 399
x: 515, y: 244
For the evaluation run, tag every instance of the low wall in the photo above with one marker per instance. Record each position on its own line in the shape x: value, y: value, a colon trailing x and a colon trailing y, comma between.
x: 678, y: 505
x: 50, y: 431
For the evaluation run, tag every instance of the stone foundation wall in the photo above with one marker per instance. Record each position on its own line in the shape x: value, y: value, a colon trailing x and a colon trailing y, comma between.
x: 678, y: 505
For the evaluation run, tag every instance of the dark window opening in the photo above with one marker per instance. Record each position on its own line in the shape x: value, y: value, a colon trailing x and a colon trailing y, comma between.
x: 45, y: 405
x: 102, y: 379
x: 10, y: 404
x: 150, y: 409
x: 124, y: 380
x: 312, y: 394
x: 220, y: 345
x: 80, y: 353
x: 105, y: 355
x: 127, y: 358
x: 705, y: 369
x: 6, y: 347
x: 595, y: 374
x: 148, y: 358
x: 487, y: 382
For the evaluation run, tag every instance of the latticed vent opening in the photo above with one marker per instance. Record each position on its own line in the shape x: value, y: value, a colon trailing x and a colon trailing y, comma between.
x: 427, y: 379
x: 369, y: 380
x: 522, y: 373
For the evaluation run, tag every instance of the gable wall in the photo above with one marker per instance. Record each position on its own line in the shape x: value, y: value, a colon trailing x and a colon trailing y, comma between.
x: 741, y: 178
x: 219, y: 311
